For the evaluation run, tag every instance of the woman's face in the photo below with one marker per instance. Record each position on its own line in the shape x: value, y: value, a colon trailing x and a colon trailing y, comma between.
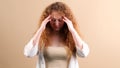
x: 56, y: 21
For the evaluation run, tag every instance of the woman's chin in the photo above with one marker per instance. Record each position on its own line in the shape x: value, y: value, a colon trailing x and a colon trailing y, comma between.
x: 56, y: 29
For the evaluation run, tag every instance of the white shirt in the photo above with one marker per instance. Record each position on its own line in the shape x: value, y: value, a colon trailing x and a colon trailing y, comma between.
x: 30, y: 51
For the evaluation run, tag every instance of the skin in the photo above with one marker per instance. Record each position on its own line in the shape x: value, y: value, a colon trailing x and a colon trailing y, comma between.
x: 57, y: 21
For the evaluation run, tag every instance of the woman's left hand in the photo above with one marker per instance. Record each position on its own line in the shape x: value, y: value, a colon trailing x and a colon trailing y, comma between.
x: 69, y: 23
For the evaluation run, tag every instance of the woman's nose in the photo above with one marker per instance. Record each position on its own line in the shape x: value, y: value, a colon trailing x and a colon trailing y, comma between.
x: 57, y: 23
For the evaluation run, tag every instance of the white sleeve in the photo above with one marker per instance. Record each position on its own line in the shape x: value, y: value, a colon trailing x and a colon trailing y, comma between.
x: 30, y: 50
x: 84, y: 52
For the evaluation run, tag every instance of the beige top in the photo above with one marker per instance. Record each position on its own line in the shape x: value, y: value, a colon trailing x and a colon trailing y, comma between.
x: 31, y: 50
x: 55, y: 57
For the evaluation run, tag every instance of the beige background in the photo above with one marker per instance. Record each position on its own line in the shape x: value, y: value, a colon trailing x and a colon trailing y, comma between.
x: 99, y: 22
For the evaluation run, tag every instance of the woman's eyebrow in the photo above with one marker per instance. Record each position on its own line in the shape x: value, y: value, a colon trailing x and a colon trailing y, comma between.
x: 52, y: 17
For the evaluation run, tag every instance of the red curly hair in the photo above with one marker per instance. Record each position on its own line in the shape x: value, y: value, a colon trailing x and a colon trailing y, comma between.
x: 65, y: 33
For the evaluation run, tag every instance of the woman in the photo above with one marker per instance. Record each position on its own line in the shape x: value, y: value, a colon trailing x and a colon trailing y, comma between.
x: 57, y: 40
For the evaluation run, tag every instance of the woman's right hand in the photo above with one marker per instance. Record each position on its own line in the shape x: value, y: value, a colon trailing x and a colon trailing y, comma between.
x: 40, y: 30
x: 44, y: 23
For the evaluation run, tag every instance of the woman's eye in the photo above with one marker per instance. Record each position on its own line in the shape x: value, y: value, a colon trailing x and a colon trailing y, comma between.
x: 53, y: 20
x: 60, y: 20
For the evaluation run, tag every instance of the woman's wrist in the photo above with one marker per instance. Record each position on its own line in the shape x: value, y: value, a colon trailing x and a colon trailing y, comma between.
x: 37, y: 36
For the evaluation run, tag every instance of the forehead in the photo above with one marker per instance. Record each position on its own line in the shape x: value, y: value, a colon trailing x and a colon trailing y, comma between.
x: 56, y: 14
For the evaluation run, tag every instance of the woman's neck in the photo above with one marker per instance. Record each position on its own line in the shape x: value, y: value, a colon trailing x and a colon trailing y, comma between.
x: 55, y: 38
x: 55, y: 33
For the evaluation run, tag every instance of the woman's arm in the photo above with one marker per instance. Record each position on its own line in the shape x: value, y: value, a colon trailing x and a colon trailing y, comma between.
x: 31, y: 48
x: 81, y: 46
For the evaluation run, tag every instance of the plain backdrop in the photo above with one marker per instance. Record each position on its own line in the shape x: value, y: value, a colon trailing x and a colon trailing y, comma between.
x: 99, y: 22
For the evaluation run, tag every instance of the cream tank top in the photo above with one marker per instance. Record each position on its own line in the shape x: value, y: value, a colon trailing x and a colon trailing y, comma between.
x: 55, y: 57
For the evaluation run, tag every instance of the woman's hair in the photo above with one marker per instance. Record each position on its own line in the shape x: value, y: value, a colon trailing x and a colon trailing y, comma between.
x: 64, y: 32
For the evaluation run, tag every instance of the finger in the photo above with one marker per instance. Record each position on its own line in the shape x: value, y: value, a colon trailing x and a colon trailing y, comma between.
x: 65, y: 18
x: 49, y: 17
